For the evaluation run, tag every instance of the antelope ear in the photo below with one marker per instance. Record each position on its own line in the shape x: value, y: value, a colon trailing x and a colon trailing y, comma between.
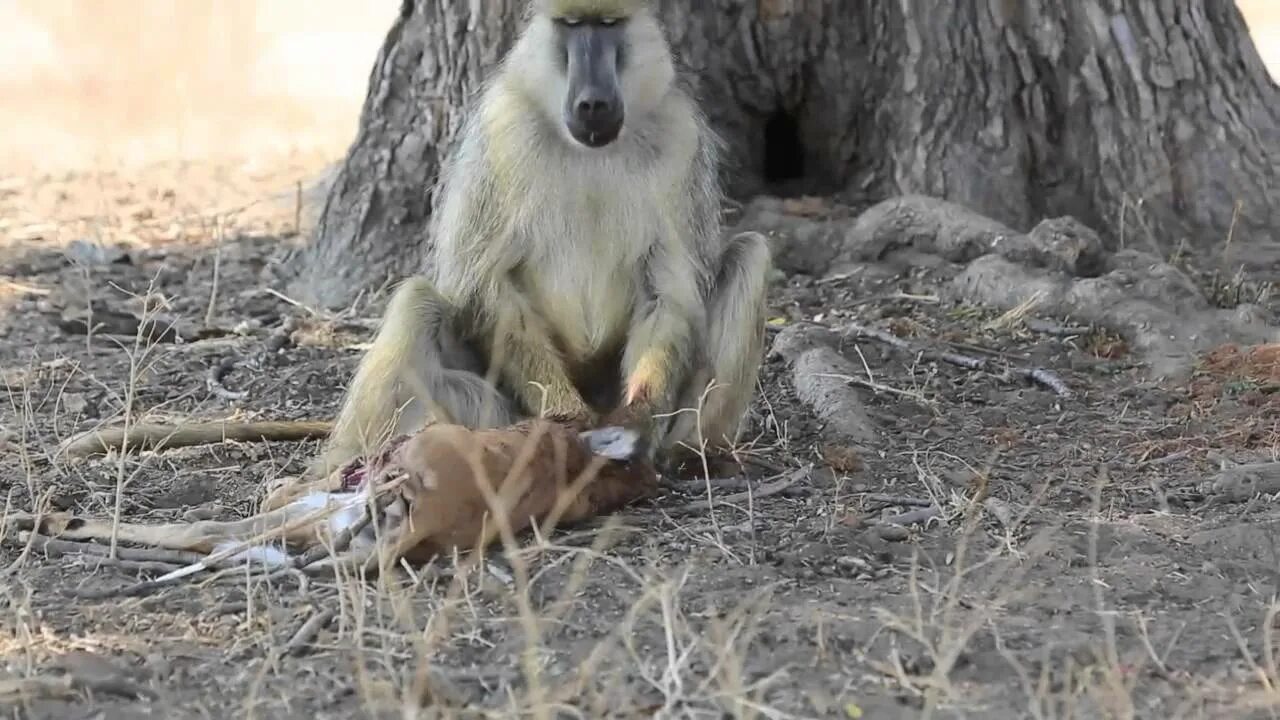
x: 615, y: 443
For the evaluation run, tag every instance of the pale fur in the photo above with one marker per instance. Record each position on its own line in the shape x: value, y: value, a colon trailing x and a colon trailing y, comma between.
x: 416, y: 371
x: 548, y: 254
x: 605, y: 8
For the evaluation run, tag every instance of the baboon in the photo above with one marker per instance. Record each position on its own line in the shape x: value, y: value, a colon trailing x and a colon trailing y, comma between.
x: 578, y: 265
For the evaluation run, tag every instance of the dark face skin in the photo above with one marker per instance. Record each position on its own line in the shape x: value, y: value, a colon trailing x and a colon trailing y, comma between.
x: 592, y: 50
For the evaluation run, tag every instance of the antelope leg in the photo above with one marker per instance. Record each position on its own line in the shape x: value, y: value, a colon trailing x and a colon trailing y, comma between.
x: 294, y: 522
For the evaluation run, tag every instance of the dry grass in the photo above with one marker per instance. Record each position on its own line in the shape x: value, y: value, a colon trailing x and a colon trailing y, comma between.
x: 410, y: 642
x: 400, y: 635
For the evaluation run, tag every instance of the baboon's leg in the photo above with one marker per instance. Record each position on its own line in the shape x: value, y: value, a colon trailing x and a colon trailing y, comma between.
x: 417, y: 370
x: 732, y: 352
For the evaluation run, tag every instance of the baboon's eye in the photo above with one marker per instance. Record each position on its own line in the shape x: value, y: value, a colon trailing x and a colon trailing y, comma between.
x: 570, y: 20
x: 609, y: 21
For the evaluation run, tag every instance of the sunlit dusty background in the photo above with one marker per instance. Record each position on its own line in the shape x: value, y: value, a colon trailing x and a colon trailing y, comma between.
x: 87, y: 83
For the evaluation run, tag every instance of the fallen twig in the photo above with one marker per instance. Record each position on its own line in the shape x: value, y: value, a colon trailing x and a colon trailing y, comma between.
x: 146, y: 587
x: 28, y: 689
x: 301, y: 306
x: 1039, y: 376
x: 748, y: 459
x: 1045, y: 378
x: 1165, y: 459
x: 1048, y: 327
x: 96, y: 562
x: 23, y: 287
x: 230, y: 607
x: 763, y: 491
x: 896, y: 500
x: 918, y: 516
x: 882, y: 388
x: 307, y: 632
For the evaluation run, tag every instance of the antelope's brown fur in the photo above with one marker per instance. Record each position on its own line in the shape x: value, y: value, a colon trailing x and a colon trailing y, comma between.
x: 536, y: 471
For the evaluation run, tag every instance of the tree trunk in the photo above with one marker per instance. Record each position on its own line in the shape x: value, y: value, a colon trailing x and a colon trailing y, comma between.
x: 1153, y: 121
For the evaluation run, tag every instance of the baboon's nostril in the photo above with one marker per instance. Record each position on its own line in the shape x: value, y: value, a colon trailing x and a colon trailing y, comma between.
x: 592, y: 106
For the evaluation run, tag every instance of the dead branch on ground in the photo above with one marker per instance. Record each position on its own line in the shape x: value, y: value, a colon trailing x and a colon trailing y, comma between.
x: 1039, y: 376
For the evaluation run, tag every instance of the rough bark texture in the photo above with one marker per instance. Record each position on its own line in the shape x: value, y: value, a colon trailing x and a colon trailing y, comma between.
x: 372, y: 228
x: 1151, y: 121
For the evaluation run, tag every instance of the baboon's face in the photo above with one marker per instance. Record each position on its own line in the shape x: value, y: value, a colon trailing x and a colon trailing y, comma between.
x: 592, y: 51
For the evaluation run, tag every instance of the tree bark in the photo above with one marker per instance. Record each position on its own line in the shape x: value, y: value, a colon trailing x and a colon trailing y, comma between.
x: 1152, y: 121
x: 372, y: 229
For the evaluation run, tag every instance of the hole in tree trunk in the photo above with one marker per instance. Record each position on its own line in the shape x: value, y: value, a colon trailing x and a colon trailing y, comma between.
x: 783, y: 154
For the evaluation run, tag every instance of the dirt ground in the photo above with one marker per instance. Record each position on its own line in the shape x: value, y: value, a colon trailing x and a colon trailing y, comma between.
x: 999, y: 552
x: 987, y: 548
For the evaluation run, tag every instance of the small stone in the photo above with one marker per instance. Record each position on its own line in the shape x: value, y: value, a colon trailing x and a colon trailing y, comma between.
x: 841, y: 458
x: 850, y: 561
x: 87, y: 252
x: 893, y: 533
x: 73, y: 403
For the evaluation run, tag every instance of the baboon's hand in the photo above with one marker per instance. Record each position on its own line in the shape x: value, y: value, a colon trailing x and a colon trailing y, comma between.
x: 635, y: 416
x: 569, y: 406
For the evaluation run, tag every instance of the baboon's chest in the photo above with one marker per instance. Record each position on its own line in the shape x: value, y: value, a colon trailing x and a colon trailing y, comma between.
x: 582, y: 267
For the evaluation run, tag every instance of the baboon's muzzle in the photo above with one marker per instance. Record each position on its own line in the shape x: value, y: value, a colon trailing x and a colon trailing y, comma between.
x: 593, y: 109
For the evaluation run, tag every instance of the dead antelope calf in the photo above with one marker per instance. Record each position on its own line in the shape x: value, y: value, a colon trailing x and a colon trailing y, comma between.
x: 443, y: 488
